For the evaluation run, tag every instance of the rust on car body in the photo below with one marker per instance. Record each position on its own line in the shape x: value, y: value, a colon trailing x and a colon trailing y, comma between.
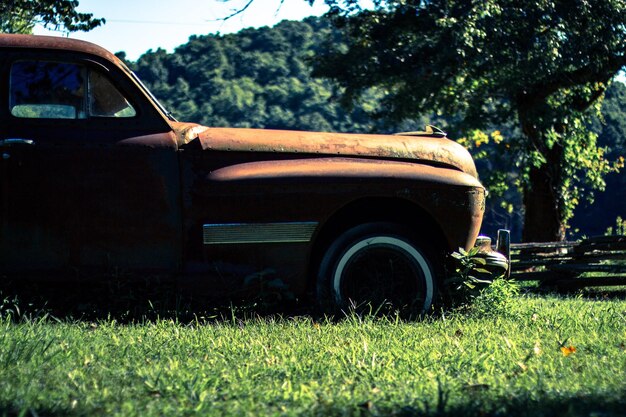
x: 342, y: 168
x: 141, y: 191
x: 428, y: 150
x: 53, y: 42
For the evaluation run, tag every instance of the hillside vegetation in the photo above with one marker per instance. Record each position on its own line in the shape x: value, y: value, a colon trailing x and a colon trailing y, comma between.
x: 255, y: 78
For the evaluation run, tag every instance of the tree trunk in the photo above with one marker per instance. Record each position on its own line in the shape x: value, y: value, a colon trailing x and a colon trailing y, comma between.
x: 543, y: 219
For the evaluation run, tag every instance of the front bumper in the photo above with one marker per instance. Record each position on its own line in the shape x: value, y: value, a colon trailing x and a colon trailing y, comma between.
x: 498, y: 260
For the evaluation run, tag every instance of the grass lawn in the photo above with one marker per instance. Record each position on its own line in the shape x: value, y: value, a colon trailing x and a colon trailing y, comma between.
x: 548, y: 355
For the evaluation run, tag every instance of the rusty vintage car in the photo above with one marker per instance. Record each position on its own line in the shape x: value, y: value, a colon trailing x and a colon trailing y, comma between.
x: 97, y: 176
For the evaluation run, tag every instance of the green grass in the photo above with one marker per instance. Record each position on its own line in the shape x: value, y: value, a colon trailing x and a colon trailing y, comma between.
x: 451, y: 364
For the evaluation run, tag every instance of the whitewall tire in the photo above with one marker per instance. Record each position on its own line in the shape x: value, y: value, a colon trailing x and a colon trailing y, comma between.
x: 379, y: 265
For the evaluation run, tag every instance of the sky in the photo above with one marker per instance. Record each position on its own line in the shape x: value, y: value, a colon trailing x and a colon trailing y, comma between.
x: 135, y: 26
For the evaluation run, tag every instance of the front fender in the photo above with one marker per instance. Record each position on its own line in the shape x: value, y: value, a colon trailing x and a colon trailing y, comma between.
x: 341, y: 170
x: 310, y: 191
x: 320, y: 186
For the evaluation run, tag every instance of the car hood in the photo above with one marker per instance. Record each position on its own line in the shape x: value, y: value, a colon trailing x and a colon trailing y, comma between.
x: 423, y: 149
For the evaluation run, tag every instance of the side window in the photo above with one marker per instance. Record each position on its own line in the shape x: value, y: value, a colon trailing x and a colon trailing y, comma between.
x: 105, y: 100
x: 50, y: 90
x: 59, y: 90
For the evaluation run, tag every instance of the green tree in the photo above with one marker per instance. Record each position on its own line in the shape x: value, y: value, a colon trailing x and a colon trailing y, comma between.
x: 21, y: 16
x: 540, y: 65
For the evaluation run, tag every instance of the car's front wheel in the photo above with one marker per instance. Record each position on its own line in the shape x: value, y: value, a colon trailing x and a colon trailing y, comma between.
x: 376, y: 265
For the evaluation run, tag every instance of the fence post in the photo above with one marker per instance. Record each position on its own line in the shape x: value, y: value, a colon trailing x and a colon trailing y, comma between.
x: 503, y: 245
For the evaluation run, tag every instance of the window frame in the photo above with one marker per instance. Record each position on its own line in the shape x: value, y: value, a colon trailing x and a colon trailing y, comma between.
x: 149, y: 119
x: 86, y: 67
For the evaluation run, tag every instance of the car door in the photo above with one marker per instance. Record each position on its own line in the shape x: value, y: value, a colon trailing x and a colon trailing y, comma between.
x: 90, y: 177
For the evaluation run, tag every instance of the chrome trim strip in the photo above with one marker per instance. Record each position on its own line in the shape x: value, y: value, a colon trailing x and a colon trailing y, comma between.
x: 16, y: 141
x: 238, y: 233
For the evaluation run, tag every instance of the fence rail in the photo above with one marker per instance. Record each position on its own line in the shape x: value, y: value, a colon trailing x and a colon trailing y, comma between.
x: 597, y: 261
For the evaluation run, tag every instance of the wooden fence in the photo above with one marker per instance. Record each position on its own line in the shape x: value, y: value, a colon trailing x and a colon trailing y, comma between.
x: 597, y: 261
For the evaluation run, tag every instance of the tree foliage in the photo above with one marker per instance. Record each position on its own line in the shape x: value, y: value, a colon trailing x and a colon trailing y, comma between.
x: 21, y: 16
x: 541, y: 66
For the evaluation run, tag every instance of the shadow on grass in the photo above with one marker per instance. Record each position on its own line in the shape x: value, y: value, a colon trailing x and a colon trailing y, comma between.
x: 603, y: 293
x: 140, y: 299
x: 528, y: 404
x: 136, y: 300
x: 522, y: 405
x: 573, y: 291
